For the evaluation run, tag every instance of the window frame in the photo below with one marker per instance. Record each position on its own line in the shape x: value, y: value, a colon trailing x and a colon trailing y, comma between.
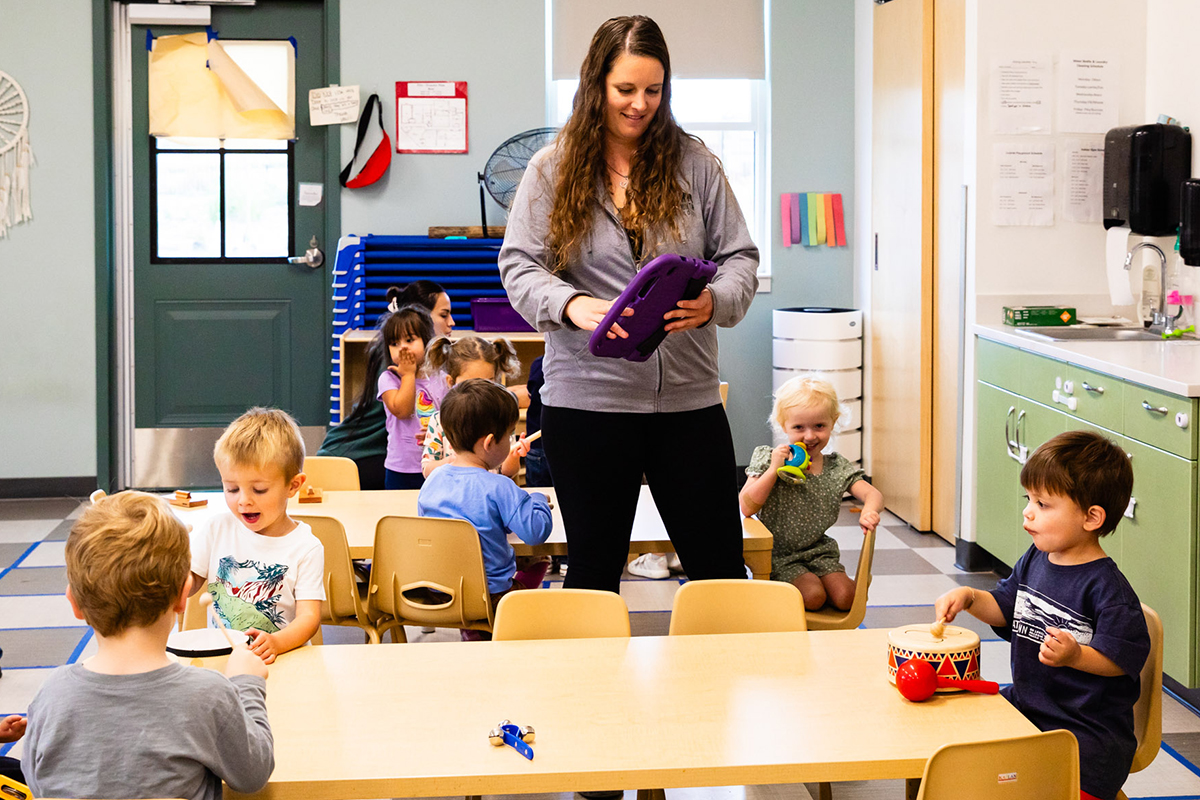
x: 221, y: 151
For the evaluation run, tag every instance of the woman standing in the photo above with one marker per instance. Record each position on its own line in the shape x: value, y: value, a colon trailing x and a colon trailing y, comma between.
x: 623, y: 183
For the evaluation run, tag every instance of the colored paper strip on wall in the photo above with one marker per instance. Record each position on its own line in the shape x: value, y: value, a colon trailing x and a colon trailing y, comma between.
x: 815, y: 223
x: 785, y: 218
x: 804, y: 221
x: 795, y: 218
x: 830, y: 236
x: 838, y: 221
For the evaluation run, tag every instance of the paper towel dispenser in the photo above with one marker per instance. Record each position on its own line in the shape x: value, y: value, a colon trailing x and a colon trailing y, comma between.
x: 1144, y: 166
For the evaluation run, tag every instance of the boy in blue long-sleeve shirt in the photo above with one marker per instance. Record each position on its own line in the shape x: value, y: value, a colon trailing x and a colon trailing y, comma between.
x: 479, y: 417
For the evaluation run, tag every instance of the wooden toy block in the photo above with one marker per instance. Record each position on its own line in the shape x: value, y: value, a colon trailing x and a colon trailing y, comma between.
x: 184, y: 500
x: 311, y: 494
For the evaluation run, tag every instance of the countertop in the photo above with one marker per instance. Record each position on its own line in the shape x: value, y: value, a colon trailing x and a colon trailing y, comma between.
x: 1172, y: 366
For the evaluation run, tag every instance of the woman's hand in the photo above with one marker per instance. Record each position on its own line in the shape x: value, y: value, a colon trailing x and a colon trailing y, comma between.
x: 586, y: 313
x: 689, y: 314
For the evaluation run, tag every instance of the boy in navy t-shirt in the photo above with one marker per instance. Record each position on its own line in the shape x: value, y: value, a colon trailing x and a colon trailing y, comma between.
x: 1078, y: 634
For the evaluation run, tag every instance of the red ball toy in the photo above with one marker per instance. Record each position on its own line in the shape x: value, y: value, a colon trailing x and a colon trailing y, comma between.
x: 917, y: 680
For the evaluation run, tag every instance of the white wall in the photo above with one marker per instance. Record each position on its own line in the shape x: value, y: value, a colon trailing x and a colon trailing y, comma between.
x: 47, y: 266
x: 497, y: 48
x: 1171, y: 84
x: 1063, y: 262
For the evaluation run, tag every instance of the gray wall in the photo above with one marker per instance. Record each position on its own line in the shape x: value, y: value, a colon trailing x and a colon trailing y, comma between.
x: 47, y: 266
x: 812, y: 150
x: 497, y: 48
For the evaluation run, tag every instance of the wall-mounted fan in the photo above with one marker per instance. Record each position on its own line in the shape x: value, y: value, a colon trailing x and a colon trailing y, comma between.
x: 502, y: 173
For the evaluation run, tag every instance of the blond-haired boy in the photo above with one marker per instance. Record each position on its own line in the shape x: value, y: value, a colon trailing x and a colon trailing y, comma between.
x: 130, y: 721
x: 264, y: 570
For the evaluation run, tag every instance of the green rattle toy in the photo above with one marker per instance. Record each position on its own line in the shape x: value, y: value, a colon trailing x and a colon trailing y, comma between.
x: 792, y: 470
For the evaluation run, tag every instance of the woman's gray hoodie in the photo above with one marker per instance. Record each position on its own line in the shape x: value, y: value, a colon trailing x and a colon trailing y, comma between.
x: 682, y: 373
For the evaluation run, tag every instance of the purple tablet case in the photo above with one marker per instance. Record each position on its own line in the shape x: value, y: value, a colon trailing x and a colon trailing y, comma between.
x: 654, y: 291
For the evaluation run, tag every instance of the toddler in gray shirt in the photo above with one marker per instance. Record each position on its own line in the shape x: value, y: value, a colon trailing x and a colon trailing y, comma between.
x: 130, y: 721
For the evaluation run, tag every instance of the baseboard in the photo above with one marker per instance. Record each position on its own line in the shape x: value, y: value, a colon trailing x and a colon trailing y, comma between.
x: 971, y: 557
x: 22, y: 488
x: 1190, y: 697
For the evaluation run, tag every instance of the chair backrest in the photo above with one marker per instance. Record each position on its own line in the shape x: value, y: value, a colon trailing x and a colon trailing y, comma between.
x: 341, y: 592
x: 331, y: 473
x: 1147, y: 711
x: 560, y: 614
x: 827, y: 619
x: 97, y: 496
x: 724, y: 388
x: 428, y: 571
x: 737, y: 606
x: 1044, y: 766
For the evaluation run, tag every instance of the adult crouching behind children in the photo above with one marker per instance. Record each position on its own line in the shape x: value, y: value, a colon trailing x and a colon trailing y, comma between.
x: 622, y: 184
x: 130, y: 721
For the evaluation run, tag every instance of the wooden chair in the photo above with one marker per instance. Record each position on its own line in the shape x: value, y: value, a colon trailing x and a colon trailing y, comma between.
x: 830, y: 619
x: 97, y: 496
x: 736, y: 606
x: 429, y: 572
x: 345, y: 603
x: 1043, y: 766
x: 1147, y: 711
x: 560, y: 614
x: 331, y: 473
x: 724, y: 388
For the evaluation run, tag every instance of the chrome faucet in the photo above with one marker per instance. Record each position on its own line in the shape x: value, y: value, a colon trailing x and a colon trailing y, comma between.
x: 1160, y: 322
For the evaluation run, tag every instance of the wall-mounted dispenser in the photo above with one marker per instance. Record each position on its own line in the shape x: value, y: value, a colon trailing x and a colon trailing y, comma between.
x: 1189, y: 222
x: 1144, y: 166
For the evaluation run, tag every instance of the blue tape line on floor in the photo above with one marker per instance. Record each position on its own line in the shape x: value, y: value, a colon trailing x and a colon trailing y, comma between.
x: 20, y: 558
x: 87, y: 637
x: 6, y: 747
x: 1175, y: 755
x: 1182, y: 702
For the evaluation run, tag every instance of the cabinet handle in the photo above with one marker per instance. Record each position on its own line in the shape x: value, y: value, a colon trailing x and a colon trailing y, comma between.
x: 1009, y: 444
x: 1094, y: 389
x: 1022, y: 454
x: 1131, y: 509
x: 1159, y: 410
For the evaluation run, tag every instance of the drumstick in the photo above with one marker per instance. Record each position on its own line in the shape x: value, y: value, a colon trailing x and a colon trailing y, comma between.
x: 938, y: 628
x: 206, y: 600
x: 533, y: 437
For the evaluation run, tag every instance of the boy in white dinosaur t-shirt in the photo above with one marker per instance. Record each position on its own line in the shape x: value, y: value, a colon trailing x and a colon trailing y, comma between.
x: 264, y: 570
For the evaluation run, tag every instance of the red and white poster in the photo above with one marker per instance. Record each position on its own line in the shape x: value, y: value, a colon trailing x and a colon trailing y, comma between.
x: 431, y: 116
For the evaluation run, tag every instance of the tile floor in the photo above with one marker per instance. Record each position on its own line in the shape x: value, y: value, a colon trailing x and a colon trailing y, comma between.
x: 38, y: 633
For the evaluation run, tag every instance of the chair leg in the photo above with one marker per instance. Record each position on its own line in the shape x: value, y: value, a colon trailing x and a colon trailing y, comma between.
x: 912, y: 787
x: 651, y: 794
x: 824, y: 791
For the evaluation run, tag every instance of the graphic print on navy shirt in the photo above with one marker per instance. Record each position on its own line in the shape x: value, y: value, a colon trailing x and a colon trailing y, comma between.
x: 246, y: 594
x: 1034, y: 612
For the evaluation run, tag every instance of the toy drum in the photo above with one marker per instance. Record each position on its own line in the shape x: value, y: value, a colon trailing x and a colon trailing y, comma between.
x: 955, y: 655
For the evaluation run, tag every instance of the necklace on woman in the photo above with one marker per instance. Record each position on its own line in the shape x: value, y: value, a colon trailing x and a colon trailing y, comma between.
x: 624, y: 178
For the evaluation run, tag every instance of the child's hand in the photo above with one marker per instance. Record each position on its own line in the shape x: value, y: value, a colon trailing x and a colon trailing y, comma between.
x: 406, y: 364
x: 1059, y: 649
x: 243, y: 662
x: 420, y: 437
x: 522, y: 447
x: 867, y: 520
x: 952, y: 602
x: 780, y: 455
x: 263, y: 645
x: 12, y: 728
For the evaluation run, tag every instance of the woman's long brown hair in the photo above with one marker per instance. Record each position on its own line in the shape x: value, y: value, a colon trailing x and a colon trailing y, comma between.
x: 654, y: 197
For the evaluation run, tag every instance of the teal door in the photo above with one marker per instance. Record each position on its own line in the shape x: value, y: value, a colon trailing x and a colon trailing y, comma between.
x: 221, y: 320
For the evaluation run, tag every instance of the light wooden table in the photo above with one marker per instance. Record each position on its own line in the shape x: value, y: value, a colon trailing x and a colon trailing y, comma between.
x: 666, y: 711
x: 359, y: 512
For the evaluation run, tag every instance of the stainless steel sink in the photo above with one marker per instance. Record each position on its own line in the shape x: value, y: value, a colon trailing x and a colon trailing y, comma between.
x: 1081, y: 334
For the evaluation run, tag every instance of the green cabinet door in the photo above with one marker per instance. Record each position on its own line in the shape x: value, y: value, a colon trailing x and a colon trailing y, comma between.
x: 1035, y: 424
x: 997, y: 488
x: 1158, y: 550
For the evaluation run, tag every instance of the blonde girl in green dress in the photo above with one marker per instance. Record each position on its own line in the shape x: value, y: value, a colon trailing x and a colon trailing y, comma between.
x: 798, y: 516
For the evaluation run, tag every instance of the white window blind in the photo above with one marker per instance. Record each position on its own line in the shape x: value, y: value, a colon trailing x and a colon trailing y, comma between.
x: 706, y: 38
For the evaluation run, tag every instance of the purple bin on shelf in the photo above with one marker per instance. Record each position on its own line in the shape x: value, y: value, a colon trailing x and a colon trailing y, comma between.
x: 496, y: 314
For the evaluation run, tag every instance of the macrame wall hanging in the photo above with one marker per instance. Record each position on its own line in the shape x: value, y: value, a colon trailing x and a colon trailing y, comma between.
x: 15, y: 155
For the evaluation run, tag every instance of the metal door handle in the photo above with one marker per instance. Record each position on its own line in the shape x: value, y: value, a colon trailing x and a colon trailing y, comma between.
x: 1095, y: 389
x: 313, y: 257
x: 1159, y: 410
x: 1009, y: 444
